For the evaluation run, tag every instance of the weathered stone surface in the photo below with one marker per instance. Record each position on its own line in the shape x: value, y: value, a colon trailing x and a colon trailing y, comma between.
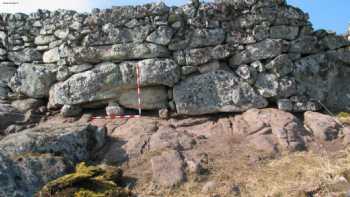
x: 130, y: 140
x: 195, y: 57
x: 334, y: 42
x: 262, y: 50
x: 34, y: 80
x: 322, y: 126
x: 70, y: 141
x: 9, y: 115
x: 247, y: 73
x: 218, y: 91
x: 114, y: 109
x: 341, y: 56
x: 161, y: 36
x: 25, y: 55
x: 281, y: 130
x: 186, y: 70
x: 155, y: 97
x: 168, y: 168
x: 3, y: 52
x: 322, y: 76
x: 281, y: 65
x: 307, y: 73
x: 34, y: 157
x: 164, y: 113
x: 206, y: 37
x: 44, y: 40
x: 284, y: 32
x: 304, y: 45
x: 267, y: 85
x: 287, y: 87
x: 51, y: 56
x: 4, y: 90
x: 107, y: 81
x: 61, y: 33
x: 63, y: 73
x: 265, y: 40
x: 13, y: 129
x: 109, y: 34
x: 167, y: 137
x: 118, y: 52
x: 70, y: 111
x: 209, y: 67
x: 27, y: 104
x: 7, y: 70
x: 158, y: 72
x: 80, y: 68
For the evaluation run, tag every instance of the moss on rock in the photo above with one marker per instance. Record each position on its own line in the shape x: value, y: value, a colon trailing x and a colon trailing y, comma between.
x: 87, y: 181
x: 344, y: 117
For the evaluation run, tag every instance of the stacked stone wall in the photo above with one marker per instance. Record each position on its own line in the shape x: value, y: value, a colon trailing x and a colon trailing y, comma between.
x: 194, y: 59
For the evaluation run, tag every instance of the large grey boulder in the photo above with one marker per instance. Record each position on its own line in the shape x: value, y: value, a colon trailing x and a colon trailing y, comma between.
x: 109, y: 34
x: 25, y: 55
x: 157, y: 72
x: 262, y: 50
x: 34, y: 80
x: 72, y: 141
x: 9, y: 115
x: 44, y: 40
x: 162, y: 35
x: 218, y: 91
x: 281, y: 65
x: 267, y: 85
x: 197, y: 38
x: 305, y: 45
x: 7, y: 70
x: 36, y: 156
x: 155, y: 97
x: 334, y: 42
x: 34, y: 171
x: 109, y: 80
x: 323, y: 78
x: 284, y: 32
x: 198, y: 56
x: 118, y: 52
x: 206, y: 37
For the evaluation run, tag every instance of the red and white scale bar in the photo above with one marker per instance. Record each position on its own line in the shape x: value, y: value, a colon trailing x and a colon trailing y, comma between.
x: 138, y: 84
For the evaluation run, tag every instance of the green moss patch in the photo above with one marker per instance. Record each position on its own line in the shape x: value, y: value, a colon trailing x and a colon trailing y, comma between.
x: 87, y: 181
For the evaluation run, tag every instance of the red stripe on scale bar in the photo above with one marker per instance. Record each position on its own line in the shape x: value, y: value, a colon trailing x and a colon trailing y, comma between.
x: 138, y: 84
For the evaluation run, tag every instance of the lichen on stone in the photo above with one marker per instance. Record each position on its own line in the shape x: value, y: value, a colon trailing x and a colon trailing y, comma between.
x: 344, y: 117
x: 87, y: 181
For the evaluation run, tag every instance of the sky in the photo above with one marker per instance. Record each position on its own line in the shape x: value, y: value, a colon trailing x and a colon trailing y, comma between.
x: 324, y: 14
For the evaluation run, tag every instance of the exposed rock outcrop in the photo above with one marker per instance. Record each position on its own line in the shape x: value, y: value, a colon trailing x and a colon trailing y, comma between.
x: 34, y: 157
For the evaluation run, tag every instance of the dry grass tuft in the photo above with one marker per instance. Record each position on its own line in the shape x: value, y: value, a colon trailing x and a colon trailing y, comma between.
x: 293, y: 175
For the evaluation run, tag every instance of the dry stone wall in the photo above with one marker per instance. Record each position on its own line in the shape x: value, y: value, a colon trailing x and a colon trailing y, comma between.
x: 194, y: 59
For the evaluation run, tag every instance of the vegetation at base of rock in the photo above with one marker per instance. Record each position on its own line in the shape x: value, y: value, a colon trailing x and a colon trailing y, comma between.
x: 344, y: 117
x: 87, y: 181
x: 299, y: 174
